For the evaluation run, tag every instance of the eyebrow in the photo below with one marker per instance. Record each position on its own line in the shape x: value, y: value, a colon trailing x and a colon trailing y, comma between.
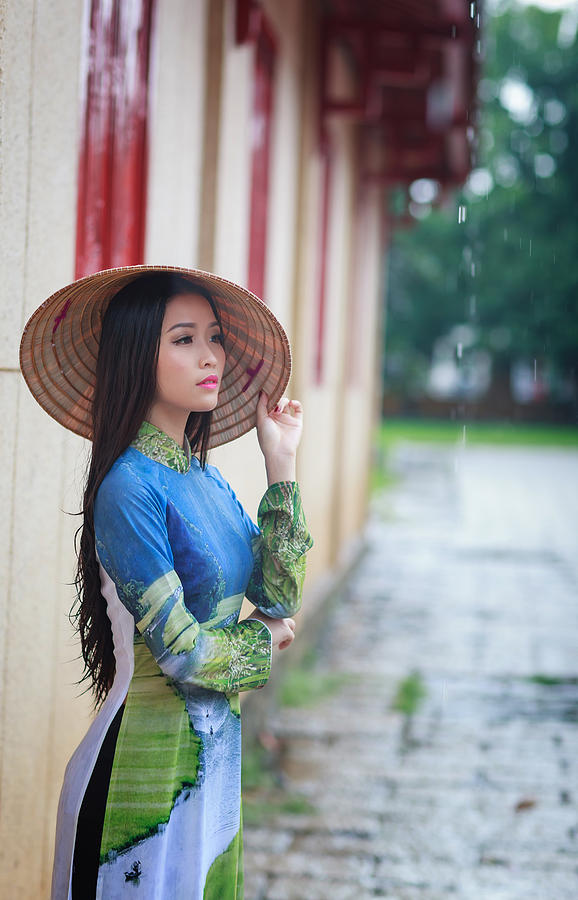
x: 190, y: 325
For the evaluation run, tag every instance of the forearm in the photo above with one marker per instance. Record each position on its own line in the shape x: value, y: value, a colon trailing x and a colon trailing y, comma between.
x: 229, y: 659
x: 234, y: 657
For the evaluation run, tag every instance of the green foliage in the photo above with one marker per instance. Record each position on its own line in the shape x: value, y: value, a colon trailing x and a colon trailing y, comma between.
x: 551, y: 680
x: 511, y: 270
x: 410, y: 693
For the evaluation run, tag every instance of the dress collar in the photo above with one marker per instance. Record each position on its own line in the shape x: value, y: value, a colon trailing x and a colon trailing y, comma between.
x: 158, y: 445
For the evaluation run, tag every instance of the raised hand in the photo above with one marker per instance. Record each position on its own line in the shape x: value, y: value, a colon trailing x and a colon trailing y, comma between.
x: 279, y: 433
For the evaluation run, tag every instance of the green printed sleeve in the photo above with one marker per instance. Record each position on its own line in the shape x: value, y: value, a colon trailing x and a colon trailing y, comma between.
x: 133, y: 547
x: 231, y: 658
x: 276, y: 583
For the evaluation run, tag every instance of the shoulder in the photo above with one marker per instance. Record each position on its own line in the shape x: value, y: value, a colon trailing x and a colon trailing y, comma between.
x: 213, y: 474
x: 130, y: 481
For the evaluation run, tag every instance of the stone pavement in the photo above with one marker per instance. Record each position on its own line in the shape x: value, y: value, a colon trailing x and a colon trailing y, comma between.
x: 470, y: 583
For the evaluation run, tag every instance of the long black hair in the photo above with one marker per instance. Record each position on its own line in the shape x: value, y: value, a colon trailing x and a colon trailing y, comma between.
x: 124, y: 392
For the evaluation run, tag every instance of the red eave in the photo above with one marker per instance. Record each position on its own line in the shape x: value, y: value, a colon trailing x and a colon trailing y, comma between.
x: 414, y: 67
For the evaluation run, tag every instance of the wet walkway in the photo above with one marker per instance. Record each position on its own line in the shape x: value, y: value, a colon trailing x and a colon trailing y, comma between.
x: 468, y: 591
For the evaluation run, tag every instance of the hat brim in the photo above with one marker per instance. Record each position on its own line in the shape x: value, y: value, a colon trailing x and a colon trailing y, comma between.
x: 59, y: 349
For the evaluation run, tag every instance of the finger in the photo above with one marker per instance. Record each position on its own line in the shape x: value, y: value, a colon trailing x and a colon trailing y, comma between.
x: 295, y: 408
x: 282, y: 404
x: 292, y: 407
x: 262, y: 406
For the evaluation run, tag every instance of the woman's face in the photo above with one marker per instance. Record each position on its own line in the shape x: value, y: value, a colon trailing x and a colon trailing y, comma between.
x: 191, y: 358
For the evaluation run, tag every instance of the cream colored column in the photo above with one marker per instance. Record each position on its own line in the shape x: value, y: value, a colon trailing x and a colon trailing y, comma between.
x: 286, y: 20
x: 176, y: 104
x: 41, y: 719
x: 363, y: 376
x: 231, y: 250
x: 214, y: 63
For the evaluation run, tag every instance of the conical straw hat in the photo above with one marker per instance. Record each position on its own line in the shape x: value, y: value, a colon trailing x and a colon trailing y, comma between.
x: 59, y: 349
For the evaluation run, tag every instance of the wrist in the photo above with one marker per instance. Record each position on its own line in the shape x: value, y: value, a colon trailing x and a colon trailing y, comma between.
x: 281, y: 468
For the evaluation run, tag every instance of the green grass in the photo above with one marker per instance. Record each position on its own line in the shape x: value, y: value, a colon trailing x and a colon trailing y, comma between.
x: 305, y: 687
x: 381, y: 477
x: 264, y: 796
x: 438, y: 431
x: 257, y: 772
x: 258, y: 810
x: 410, y: 693
x: 391, y: 431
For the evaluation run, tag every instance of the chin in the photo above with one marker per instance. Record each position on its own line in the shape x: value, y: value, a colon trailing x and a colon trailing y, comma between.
x: 206, y: 405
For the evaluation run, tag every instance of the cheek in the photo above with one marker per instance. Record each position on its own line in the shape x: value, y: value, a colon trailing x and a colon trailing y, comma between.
x: 173, y: 371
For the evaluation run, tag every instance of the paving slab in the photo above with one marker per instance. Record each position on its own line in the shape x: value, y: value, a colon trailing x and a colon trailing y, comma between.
x: 469, y: 587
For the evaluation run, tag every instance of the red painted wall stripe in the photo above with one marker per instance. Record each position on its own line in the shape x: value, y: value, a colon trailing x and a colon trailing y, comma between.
x: 261, y: 128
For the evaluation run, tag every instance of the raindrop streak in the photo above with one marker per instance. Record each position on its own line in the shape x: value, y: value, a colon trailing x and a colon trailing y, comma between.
x: 472, y: 10
x: 505, y: 234
x: 464, y: 436
x: 473, y: 305
x: 473, y: 270
x: 461, y: 214
x: 459, y: 351
x: 530, y: 247
x: 534, y: 370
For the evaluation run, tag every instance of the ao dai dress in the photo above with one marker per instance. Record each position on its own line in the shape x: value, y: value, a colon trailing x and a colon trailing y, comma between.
x: 177, y: 554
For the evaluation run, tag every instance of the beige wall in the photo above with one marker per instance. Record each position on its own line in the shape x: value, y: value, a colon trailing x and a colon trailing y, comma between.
x: 234, y: 156
x: 282, y: 248
x: 175, y: 133
x: 322, y: 444
x: 41, y: 466
x: 41, y: 719
x: 362, y: 356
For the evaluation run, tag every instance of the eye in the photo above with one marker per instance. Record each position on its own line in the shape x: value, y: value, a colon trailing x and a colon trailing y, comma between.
x: 218, y: 338
x: 186, y: 339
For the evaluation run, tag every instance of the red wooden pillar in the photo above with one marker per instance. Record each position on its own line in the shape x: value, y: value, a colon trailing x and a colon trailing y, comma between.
x: 112, y: 167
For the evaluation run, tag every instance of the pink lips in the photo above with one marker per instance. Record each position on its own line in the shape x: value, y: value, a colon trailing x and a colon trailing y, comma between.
x: 210, y: 382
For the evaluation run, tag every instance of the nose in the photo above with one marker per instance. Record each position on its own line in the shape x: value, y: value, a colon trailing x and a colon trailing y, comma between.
x: 208, y: 357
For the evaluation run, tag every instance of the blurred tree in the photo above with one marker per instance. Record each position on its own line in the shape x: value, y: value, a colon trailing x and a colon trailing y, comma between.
x: 510, y: 269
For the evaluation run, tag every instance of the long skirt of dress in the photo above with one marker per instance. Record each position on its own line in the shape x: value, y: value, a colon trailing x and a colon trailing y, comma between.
x: 172, y: 822
x: 172, y: 827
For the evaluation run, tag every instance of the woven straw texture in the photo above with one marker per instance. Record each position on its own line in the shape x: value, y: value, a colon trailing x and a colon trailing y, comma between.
x: 59, y: 349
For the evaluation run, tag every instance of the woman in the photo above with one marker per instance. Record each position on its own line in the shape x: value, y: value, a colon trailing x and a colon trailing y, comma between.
x: 156, y: 365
